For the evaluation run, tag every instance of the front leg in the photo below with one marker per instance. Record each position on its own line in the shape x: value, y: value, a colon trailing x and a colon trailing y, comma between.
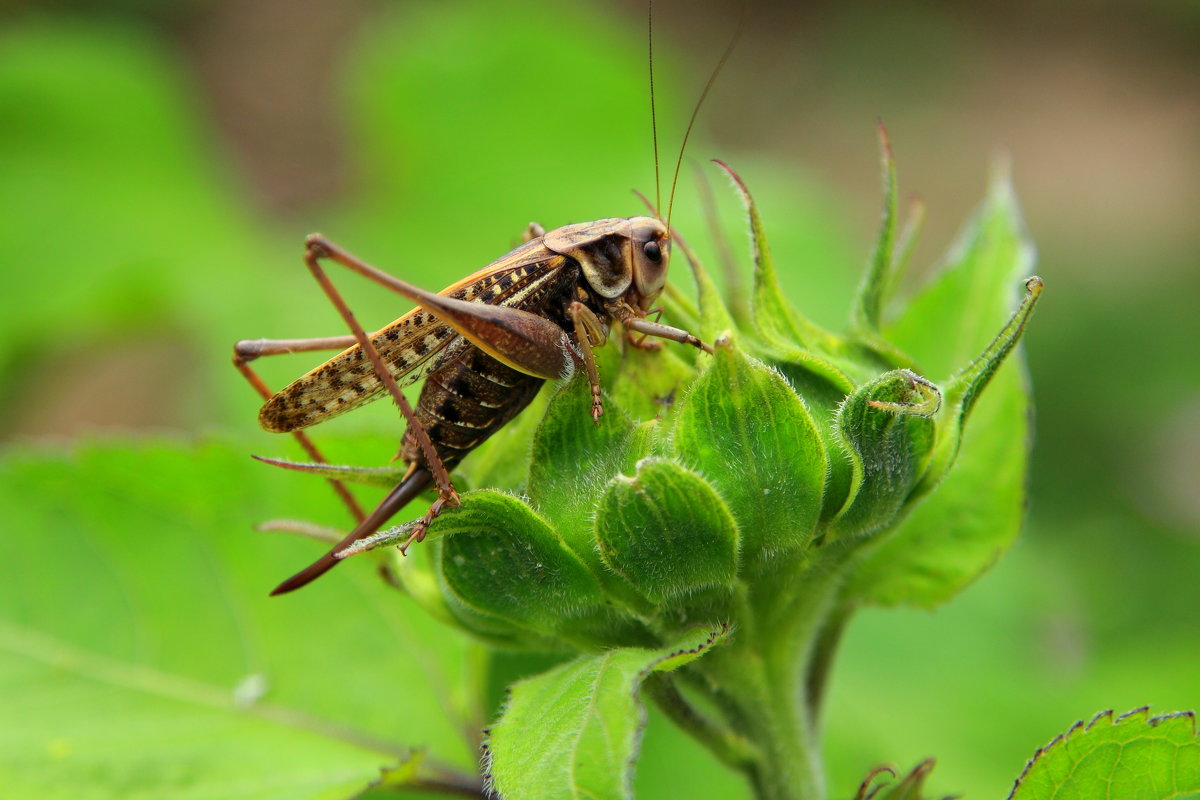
x: 639, y: 340
x: 589, y: 333
x: 625, y: 315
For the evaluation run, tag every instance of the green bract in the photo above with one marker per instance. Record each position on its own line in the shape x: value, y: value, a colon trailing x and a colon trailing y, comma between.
x: 737, y: 506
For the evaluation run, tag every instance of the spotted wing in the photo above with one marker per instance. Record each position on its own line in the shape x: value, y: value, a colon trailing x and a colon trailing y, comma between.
x: 411, y: 347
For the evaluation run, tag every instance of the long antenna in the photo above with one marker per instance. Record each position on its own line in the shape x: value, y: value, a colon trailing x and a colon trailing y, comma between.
x: 653, y: 115
x: 737, y: 34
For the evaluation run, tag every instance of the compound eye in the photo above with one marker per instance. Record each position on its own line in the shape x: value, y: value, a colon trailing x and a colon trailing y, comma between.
x: 653, y: 252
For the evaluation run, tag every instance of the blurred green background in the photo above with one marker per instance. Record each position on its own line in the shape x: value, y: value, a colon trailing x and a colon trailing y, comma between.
x: 160, y: 164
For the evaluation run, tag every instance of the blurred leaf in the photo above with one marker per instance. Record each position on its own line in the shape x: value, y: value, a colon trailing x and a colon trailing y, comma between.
x: 382, y: 477
x: 138, y: 629
x: 957, y: 532
x: 872, y: 292
x: 573, y: 731
x: 1133, y: 757
x: 715, y: 318
x: 481, y: 167
x: 875, y: 287
x: 667, y: 532
x: 964, y: 389
x: 122, y: 230
x: 954, y: 318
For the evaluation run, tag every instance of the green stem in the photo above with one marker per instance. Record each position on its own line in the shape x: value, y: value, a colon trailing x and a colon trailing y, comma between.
x: 769, y: 711
x: 730, y: 747
x: 824, y: 650
x: 758, y: 680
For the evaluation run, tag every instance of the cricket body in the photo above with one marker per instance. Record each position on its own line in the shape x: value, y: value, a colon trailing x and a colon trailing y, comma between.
x: 483, y: 347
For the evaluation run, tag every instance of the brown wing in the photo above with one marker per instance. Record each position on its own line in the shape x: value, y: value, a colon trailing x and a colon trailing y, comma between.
x: 413, y: 346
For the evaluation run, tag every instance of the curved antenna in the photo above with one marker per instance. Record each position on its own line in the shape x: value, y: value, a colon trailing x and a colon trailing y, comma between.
x: 653, y: 115
x: 737, y: 34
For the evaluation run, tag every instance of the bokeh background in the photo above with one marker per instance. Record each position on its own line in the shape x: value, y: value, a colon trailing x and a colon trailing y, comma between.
x: 160, y: 164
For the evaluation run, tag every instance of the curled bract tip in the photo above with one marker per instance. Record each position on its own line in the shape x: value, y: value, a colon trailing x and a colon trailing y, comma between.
x: 923, y: 400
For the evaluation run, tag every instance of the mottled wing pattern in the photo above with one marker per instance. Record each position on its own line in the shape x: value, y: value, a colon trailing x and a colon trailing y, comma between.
x: 413, y: 346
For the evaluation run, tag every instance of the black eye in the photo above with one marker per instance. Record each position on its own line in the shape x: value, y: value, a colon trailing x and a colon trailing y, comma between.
x: 653, y: 252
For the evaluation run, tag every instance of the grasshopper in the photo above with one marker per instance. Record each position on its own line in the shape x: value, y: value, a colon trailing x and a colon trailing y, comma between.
x: 483, y: 346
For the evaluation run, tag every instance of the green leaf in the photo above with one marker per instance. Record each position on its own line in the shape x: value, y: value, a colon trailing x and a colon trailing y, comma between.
x: 139, y: 648
x: 958, y: 531
x: 742, y: 428
x: 437, y: 598
x: 961, y: 529
x: 679, y: 308
x: 573, y: 731
x: 714, y: 316
x: 501, y: 559
x: 1133, y: 757
x: 667, y: 532
x: 501, y: 668
x: 822, y: 399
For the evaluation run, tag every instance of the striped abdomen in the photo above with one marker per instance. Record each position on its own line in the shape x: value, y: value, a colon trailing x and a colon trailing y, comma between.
x: 465, y: 402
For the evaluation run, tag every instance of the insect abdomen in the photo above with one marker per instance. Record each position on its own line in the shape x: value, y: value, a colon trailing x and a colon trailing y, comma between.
x: 465, y: 402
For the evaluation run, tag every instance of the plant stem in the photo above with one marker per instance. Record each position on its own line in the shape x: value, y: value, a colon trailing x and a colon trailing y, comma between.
x: 768, y: 681
x: 771, y: 714
x: 824, y: 650
x: 730, y: 747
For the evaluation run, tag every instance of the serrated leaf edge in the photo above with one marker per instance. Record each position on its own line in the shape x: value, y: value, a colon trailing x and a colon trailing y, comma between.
x: 1107, y: 714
